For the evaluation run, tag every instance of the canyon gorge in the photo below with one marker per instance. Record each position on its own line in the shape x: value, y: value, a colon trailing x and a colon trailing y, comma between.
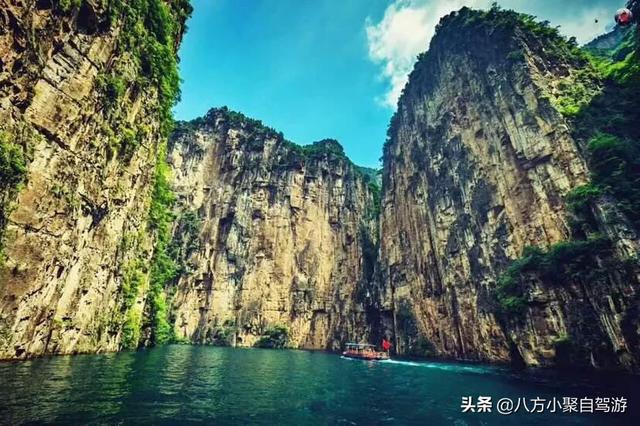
x: 502, y: 227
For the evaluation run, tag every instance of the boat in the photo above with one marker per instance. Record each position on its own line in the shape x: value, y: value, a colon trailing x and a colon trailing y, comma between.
x: 364, y: 351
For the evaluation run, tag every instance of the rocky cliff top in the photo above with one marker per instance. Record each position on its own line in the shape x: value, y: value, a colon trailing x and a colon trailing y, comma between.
x: 256, y: 134
x: 494, y: 36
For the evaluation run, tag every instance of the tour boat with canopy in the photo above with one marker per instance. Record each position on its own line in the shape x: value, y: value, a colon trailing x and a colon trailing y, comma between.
x: 364, y: 351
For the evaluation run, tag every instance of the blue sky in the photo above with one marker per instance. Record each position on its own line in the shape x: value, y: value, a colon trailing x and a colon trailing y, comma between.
x: 329, y: 68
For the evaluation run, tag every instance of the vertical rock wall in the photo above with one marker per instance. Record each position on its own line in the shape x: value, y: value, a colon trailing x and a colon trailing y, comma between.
x: 84, y: 187
x: 498, y: 238
x: 477, y: 166
x: 272, y: 234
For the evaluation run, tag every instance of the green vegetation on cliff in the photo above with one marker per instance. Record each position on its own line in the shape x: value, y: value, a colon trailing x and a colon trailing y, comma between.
x: 156, y: 274
x: 163, y: 267
x: 602, y: 103
x: 621, y: 62
x: 147, y: 62
x: 275, y: 337
x: 154, y: 26
x: 574, y: 91
x: 607, y: 127
x: 152, y: 29
x: 513, y: 25
x: 560, y: 264
x: 256, y: 133
x: 12, y: 161
x: 68, y: 5
x: 318, y: 150
x: 16, y: 145
x: 615, y: 169
x: 148, y: 33
x: 134, y: 280
x: 113, y: 88
x: 224, y: 335
x: 12, y: 173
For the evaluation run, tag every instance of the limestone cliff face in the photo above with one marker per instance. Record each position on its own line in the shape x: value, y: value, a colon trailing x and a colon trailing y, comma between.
x: 508, y: 229
x: 79, y: 126
x: 480, y: 158
x: 272, y: 234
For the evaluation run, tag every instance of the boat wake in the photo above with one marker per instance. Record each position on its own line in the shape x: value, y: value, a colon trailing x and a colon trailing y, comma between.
x: 456, y: 368
x: 442, y: 366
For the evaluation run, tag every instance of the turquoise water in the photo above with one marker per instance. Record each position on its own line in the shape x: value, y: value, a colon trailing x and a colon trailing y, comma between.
x: 188, y: 384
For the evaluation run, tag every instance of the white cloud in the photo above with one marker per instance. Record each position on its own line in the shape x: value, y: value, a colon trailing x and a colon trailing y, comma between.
x: 408, y: 25
x: 403, y: 33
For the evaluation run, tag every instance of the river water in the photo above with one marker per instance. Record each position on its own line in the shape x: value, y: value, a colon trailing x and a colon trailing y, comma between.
x: 189, y: 384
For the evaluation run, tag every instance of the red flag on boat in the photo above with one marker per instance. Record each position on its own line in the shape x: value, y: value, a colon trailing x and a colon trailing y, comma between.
x: 386, y: 345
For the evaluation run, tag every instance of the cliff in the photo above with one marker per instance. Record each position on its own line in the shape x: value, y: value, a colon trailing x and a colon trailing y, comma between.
x: 506, y: 233
x: 507, y: 229
x: 99, y: 254
x: 87, y: 88
x: 271, y: 235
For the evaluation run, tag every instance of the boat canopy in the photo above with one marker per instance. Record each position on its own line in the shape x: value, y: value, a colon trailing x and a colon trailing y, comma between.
x: 359, y: 345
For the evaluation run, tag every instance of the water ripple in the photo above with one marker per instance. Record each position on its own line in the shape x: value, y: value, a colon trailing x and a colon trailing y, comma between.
x: 189, y: 384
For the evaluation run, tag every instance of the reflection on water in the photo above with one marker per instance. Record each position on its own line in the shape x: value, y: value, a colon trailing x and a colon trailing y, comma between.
x: 240, y: 386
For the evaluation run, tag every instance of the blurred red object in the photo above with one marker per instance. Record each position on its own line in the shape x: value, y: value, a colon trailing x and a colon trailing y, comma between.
x: 624, y: 17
